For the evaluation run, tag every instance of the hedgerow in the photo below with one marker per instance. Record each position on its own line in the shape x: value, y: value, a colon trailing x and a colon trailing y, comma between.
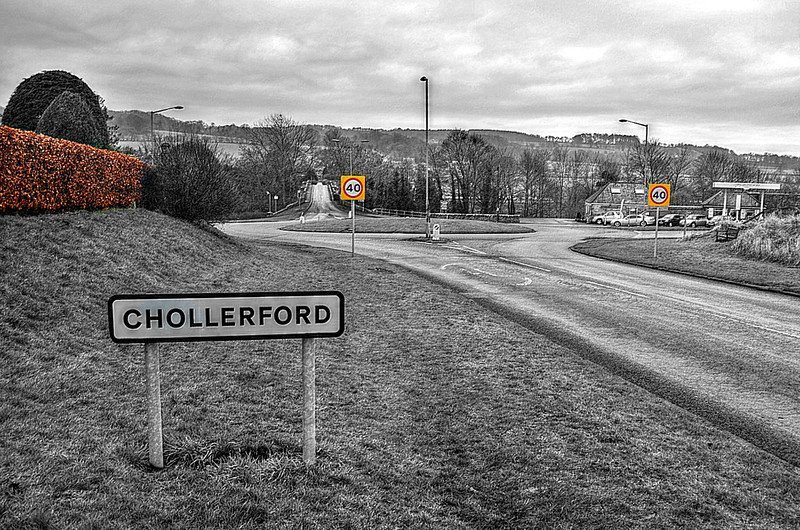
x: 39, y: 173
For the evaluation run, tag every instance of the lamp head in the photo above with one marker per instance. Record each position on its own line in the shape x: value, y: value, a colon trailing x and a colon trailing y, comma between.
x: 623, y: 120
x: 423, y: 78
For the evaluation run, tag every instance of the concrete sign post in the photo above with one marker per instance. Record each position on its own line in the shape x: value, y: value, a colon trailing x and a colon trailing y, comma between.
x: 151, y: 319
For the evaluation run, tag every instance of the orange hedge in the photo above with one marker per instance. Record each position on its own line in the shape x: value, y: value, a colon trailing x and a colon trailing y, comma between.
x: 40, y: 173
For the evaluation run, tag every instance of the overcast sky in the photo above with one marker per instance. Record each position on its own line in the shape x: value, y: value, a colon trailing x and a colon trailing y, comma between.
x: 705, y: 72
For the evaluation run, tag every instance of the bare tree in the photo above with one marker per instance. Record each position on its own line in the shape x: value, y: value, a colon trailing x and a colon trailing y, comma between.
x: 679, y: 164
x: 607, y: 169
x: 709, y: 167
x: 561, y: 161
x: 649, y: 163
x: 469, y: 159
x: 281, y: 154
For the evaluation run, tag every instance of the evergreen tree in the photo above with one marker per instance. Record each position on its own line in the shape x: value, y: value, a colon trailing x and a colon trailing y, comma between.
x: 69, y: 117
x: 33, y: 95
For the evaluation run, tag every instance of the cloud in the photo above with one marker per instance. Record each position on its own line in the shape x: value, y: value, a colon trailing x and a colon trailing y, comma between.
x: 513, y: 64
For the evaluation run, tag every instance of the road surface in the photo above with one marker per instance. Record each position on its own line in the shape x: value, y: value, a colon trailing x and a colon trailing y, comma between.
x: 321, y: 206
x: 728, y: 353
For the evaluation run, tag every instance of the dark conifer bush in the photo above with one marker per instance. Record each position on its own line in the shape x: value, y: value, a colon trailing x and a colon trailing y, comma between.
x: 69, y: 117
x: 32, y: 97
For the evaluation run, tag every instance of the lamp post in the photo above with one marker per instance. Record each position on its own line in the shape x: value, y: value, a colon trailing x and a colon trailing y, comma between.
x: 424, y: 79
x: 276, y: 204
x: 153, y: 113
x: 269, y: 201
x: 646, y: 130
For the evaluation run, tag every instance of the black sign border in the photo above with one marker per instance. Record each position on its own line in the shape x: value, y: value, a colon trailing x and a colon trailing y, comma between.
x: 176, y: 296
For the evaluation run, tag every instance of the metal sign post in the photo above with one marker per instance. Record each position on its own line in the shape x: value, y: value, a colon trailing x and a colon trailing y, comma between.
x: 352, y: 188
x: 227, y: 316
x: 655, y: 241
x: 657, y: 195
x: 353, y: 231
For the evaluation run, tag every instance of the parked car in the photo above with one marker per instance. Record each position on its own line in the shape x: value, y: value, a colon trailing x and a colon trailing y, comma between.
x: 605, y: 218
x: 671, y: 219
x: 631, y: 220
x: 649, y: 219
x: 694, y: 220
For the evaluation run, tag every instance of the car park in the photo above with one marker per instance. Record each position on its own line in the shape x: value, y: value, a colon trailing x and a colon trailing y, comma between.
x: 694, y: 220
x: 671, y: 219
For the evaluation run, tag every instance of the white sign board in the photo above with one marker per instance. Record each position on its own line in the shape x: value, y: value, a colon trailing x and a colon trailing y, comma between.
x: 237, y: 316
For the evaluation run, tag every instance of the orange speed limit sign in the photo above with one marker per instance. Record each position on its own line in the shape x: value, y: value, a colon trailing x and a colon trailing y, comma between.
x: 352, y: 187
x: 658, y: 195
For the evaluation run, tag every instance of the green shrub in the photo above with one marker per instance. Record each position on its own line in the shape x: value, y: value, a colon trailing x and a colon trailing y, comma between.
x: 189, y: 181
x: 68, y: 117
x: 33, y: 95
x: 775, y: 238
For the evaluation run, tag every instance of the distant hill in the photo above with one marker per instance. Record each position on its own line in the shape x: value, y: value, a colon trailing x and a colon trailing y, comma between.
x: 399, y: 144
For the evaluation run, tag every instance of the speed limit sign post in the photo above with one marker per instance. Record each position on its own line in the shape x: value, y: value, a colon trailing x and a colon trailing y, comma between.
x: 658, y: 195
x: 353, y: 188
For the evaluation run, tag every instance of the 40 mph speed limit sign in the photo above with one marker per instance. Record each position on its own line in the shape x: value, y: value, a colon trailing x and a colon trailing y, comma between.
x: 658, y: 195
x: 352, y: 188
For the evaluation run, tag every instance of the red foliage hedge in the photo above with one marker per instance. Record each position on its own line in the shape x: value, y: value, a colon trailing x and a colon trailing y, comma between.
x: 40, y: 173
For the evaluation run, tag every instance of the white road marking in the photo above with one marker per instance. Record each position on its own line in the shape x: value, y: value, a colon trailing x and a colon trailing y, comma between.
x: 521, y: 264
x: 527, y: 281
x: 472, y: 250
x: 487, y: 273
x: 603, y: 286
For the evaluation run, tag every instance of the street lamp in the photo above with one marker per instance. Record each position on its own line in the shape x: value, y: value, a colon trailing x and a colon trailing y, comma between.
x: 646, y: 130
x: 276, y: 204
x: 153, y: 113
x: 424, y: 79
x: 350, y: 147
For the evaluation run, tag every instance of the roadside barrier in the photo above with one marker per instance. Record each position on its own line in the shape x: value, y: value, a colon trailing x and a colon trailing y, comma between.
x: 502, y: 218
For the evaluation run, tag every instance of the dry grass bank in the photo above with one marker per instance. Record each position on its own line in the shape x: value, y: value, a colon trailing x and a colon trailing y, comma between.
x: 432, y: 412
x: 774, y: 239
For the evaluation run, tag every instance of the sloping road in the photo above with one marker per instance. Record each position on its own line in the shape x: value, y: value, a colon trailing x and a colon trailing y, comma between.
x: 322, y: 206
x: 728, y: 353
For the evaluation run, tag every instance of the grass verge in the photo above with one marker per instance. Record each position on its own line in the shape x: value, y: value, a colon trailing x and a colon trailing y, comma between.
x: 700, y: 256
x: 403, y: 225
x: 431, y: 411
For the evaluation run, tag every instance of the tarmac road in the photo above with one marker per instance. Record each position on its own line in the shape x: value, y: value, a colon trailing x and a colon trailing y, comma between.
x: 321, y: 206
x: 728, y: 353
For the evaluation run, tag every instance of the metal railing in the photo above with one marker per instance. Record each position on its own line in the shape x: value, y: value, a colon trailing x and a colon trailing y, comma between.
x: 493, y: 217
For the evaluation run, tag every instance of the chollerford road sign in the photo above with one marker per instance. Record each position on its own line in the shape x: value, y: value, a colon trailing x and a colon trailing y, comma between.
x: 658, y: 195
x: 352, y: 188
x: 237, y: 316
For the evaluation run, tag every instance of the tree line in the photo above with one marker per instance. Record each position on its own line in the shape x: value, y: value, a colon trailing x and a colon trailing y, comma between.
x: 468, y: 174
